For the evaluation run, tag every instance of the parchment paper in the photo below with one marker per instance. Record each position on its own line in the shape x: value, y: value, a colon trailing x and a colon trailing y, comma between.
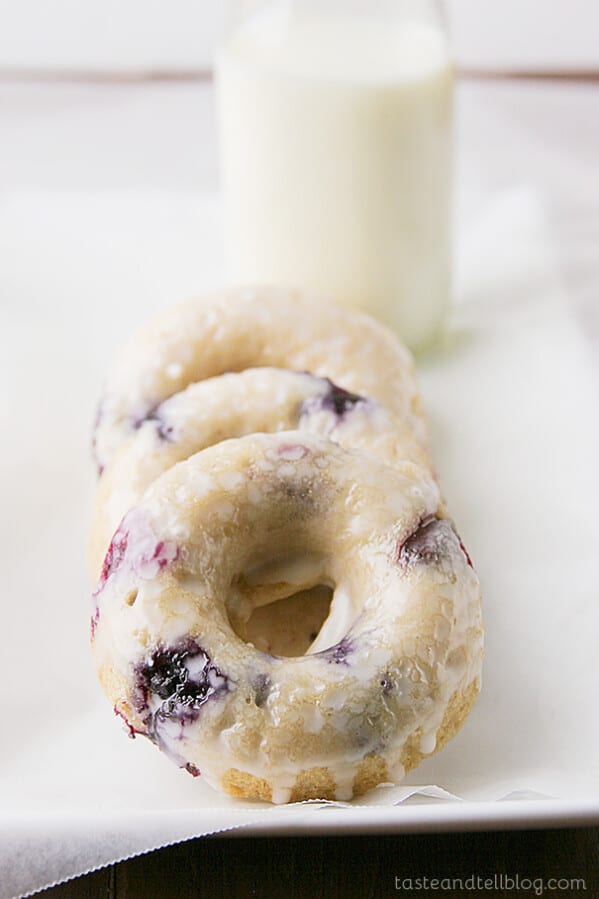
x: 512, y: 397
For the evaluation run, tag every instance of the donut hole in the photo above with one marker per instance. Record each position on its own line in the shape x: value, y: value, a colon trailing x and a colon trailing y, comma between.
x: 288, y: 626
x: 280, y: 605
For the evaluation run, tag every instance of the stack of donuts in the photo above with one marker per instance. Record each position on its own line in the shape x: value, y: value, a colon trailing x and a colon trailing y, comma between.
x: 283, y: 603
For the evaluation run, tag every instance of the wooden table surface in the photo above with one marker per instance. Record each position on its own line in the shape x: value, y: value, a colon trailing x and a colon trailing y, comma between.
x: 553, y: 861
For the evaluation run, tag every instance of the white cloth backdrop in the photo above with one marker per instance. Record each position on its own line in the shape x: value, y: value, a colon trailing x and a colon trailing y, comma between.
x: 142, y: 35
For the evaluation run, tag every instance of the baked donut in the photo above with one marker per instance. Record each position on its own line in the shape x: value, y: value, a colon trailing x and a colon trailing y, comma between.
x: 232, y: 405
x: 393, y: 671
x: 238, y: 329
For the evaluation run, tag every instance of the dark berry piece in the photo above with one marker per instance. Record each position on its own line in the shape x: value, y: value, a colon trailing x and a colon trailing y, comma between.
x: 115, y: 555
x: 183, y: 677
x: 338, y: 654
x: 334, y: 399
x: 163, y: 430
x: 139, y: 420
x: 465, y: 551
x: 164, y: 554
x: 191, y: 769
x: 434, y: 542
x: 340, y: 401
x: 166, y: 674
x: 94, y: 621
x: 131, y: 731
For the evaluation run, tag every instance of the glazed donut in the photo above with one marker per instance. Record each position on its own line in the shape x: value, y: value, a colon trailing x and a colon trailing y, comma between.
x: 238, y: 329
x: 232, y: 405
x: 388, y: 680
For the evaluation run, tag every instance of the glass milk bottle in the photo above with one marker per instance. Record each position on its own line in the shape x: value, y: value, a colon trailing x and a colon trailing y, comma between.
x: 335, y: 132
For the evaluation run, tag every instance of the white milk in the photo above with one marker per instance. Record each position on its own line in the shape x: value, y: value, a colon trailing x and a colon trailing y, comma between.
x: 335, y: 139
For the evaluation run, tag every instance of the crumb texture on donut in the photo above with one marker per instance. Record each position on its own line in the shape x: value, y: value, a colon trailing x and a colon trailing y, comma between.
x: 313, y: 783
x: 459, y: 707
x: 319, y: 783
